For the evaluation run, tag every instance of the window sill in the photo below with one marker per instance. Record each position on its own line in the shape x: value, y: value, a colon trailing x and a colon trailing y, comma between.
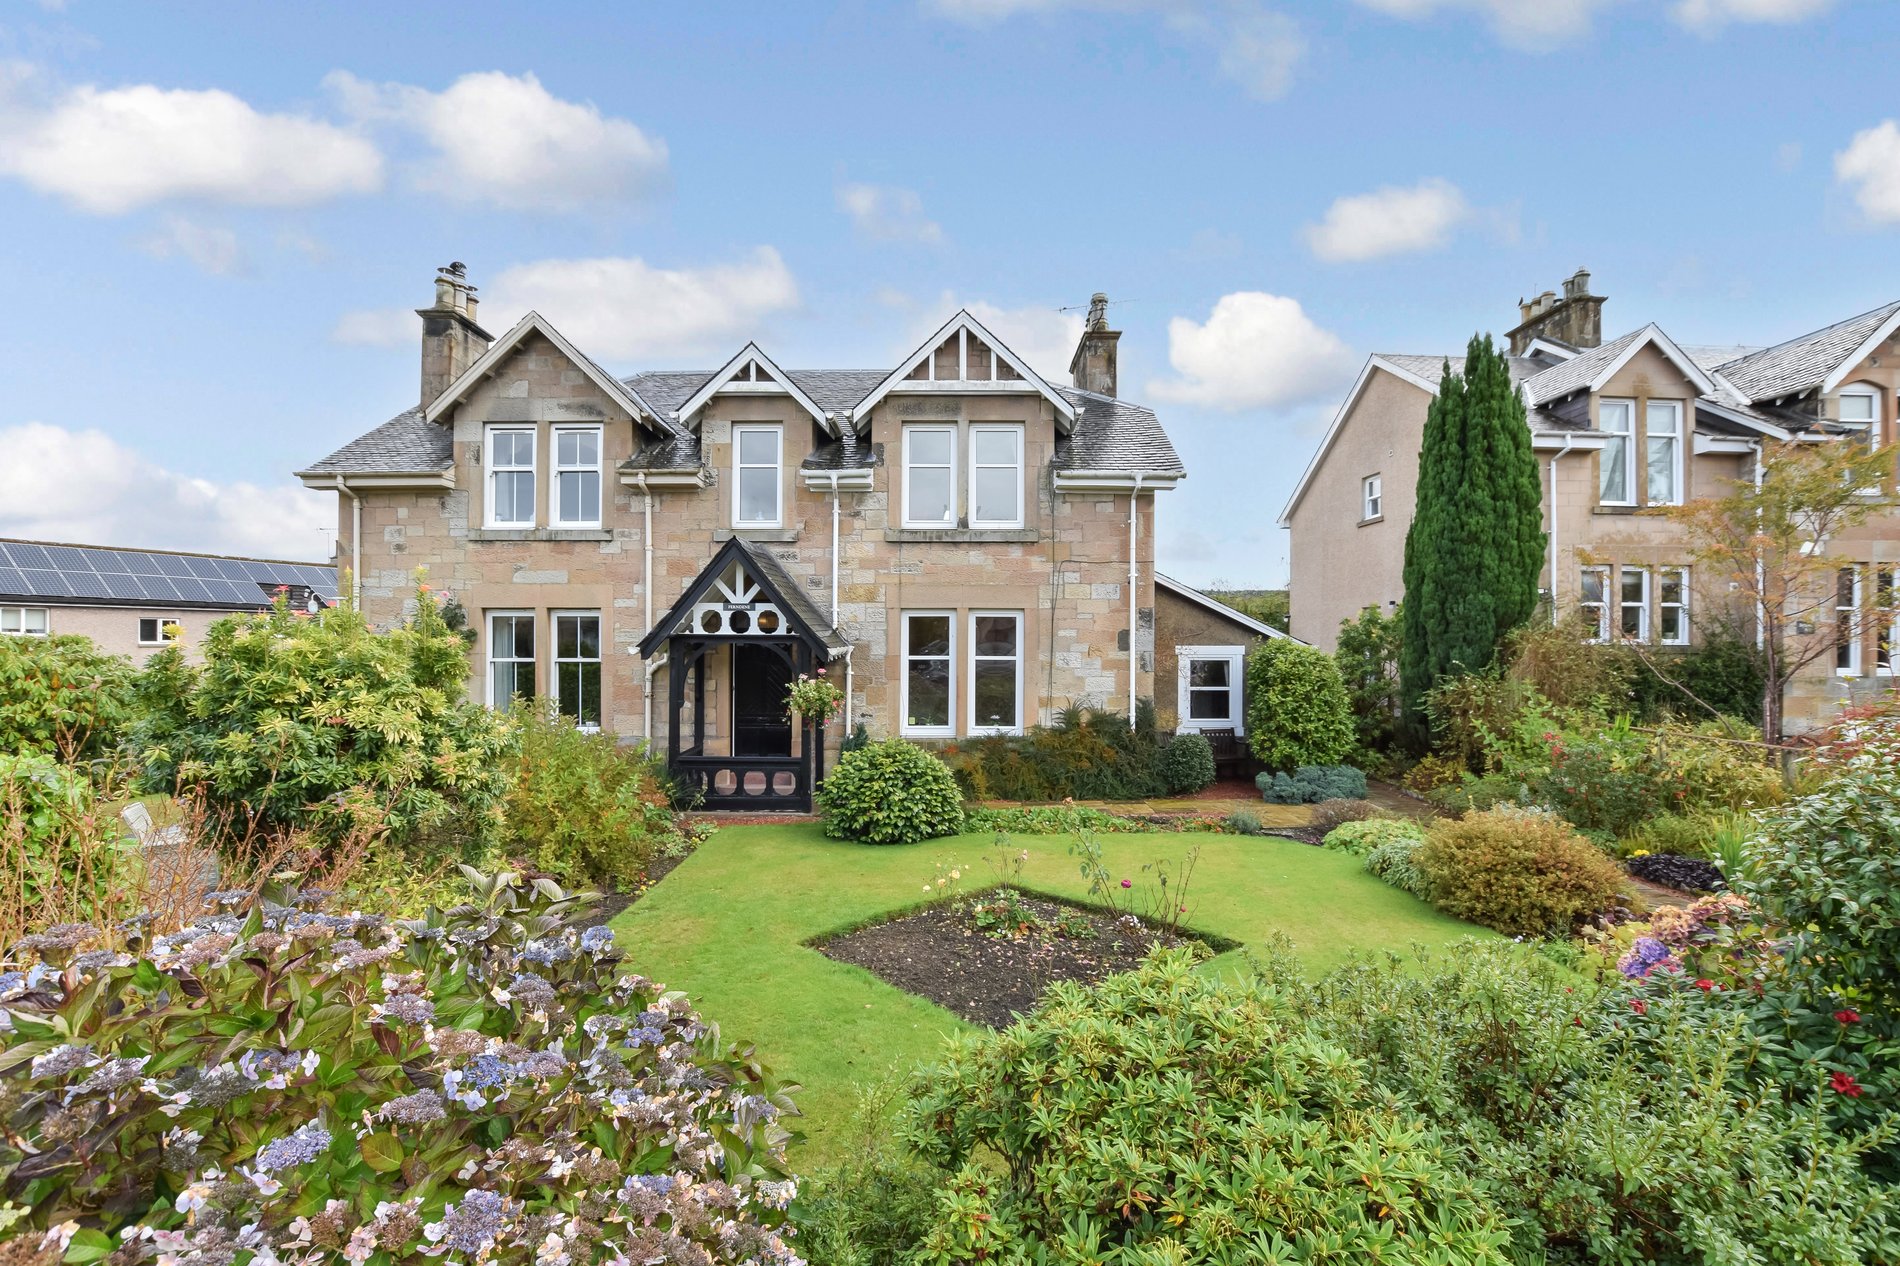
x: 764, y: 535
x: 949, y: 535
x: 541, y: 534
x: 1601, y: 508
x: 1377, y: 518
x: 908, y: 733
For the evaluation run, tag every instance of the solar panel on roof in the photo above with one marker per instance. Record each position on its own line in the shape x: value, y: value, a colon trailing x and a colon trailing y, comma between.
x: 46, y: 584
x: 66, y: 558
x: 263, y: 573
x: 228, y: 591
x: 12, y: 582
x: 231, y: 569
x: 28, y: 556
x: 204, y: 568
x: 85, y: 584
x: 157, y: 587
x: 119, y: 585
x: 172, y: 565
x: 191, y: 589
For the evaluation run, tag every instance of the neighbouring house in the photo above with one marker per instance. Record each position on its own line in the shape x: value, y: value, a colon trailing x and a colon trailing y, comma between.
x: 1619, y: 429
x: 135, y: 602
x: 963, y: 545
x: 1201, y: 644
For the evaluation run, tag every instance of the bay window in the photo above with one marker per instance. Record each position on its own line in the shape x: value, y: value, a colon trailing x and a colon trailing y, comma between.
x: 929, y: 681
x: 577, y: 667
x: 996, y: 672
x: 1617, y: 420
x: 510, y: 454
x: 757, y: 456
x: 930, y: 476
x: 576, y: 476
x: 996, y: 476
x: 510, y: 658
x: 1662, y: 441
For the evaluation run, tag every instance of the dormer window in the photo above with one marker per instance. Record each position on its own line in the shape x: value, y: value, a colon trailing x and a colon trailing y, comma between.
x: 757, y: 453
x: 930, y: 476
x: 996, y: 476
x: 510, y: 454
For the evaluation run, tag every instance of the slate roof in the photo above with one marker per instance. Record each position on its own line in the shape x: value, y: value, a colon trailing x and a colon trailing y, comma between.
x: 771, y: 571
x: 1431, y: 368
x: 1579, y: 371
x: 849, y: 451
x: 402, y: 445
x: 1802, y: 364
x: 1114, y: 435
x: 679, y: 453
x: 163, y: 580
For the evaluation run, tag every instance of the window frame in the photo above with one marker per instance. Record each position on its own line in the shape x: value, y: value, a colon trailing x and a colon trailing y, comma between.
x: 905, y: 728
x: 488, y: 654
x: 1675, y: 438
x: 556, y: 469
x: 1627, y: 438
x: 1643, y: 632
x: 1874, y: 394
x: 161, y: 639
x: 1016, y: 431
x: 490, y: 470
x: 776, y: 466
x: 46, y: 621
x: 555, y: 660
x: 1682, y: 606
x: 1185, y: 720
x: 1884, y: 610
x: 912, y: 430
x: 1372, y: 497
x: 978, y: 726
x: 1602, y: 604
x: 1848, y: 639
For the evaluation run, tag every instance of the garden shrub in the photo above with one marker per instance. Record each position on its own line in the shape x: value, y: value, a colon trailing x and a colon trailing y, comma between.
x: 891, y: 792
x: 1723, y: 671
x: 1433, y: 772
x: 1521, y: 872
x: 1478, y: 794
x: 60, y: 695
x: 1395, y: 861
x: 1331, y: 813
x: 1673, y: 833
x: 1144, y: 1120
x: 52, y: 865
x: 1298, y: 712
x: 1716, y: 775
x: 1311, y: 784
x: 282, y: 1084
x: 1244, y: 822
x: 581, y: 807
x: 1360, y: 838
x: 1087, y: 755
x: 1187, y: 764
x: 1671, y: 870
x: 1368, y: 659
x: 1054, y: 819
x: 1606, y: 784
x: 289, y: 712
x: 873, y: 1207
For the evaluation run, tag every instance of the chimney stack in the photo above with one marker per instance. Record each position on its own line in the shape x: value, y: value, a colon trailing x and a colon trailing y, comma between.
x: 1092, y: 368
x: 451, y: 341
x: 1576, y: 319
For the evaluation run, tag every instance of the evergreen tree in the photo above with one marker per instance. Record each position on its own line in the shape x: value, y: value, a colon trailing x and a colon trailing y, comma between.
x: 1476, y: 544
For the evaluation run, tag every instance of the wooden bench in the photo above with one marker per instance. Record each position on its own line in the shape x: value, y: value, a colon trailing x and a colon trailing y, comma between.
x: 1231, y: 757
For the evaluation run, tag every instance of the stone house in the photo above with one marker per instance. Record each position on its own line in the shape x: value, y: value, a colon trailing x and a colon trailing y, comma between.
x: 136, y: 602
x: 1620, y: 429
x: 962, y: 545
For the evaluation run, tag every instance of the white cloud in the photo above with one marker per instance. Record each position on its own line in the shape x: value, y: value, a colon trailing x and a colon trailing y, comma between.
x: 111, y: 150
x: 377, y: 327
x: 625, y: 309
x: 888, y: 214
x: 1259, y: 50
x: 213, y: 248
x: 1534, y: 24
x: 1043, y: 336
x: 1394, y: 220
x: 1710, y: 16
x: 119, y: 497
x: 1255, y: 351
x: 506, y: 140
x: 1871, y: 162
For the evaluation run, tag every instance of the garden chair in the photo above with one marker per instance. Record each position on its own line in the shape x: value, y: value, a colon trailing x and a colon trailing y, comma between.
x: 150, y: 835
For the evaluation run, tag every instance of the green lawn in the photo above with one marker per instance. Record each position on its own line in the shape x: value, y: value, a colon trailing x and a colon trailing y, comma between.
x: 729, y: 927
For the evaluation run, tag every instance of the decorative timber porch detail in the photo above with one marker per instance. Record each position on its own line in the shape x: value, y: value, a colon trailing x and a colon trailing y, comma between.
x: 745, y: 615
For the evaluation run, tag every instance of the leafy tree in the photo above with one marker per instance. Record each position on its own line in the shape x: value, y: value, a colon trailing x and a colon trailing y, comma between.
x: 298, y: 720
x: 1368, y: 659
x: 1297, y: 709
x: 62, y: 696
x: 1269, y: 606
x: 1476, y: 544
x: 1765, y: 544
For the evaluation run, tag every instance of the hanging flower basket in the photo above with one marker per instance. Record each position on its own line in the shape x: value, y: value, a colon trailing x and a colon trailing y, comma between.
x: 815, y: 698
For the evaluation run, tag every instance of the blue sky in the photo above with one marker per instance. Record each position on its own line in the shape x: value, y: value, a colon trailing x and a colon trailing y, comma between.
x: 218, y: 219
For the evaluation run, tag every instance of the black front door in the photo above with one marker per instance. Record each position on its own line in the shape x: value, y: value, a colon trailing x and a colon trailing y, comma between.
x: 761, y: 726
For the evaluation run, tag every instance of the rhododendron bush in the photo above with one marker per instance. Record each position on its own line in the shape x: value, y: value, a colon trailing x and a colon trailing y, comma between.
x: 281, y: 1084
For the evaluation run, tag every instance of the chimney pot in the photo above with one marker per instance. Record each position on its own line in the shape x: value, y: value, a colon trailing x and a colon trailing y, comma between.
x: 1092, y: 368
x: 1576, y: 319
x: 451, y: 341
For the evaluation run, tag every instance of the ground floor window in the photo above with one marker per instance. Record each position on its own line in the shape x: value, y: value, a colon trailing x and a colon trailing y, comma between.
x: 1672, y: 608
x: 929, y: 684
x: 577, y: 667
x: 1847, y: 622
x: 1208, y: 694
x: 159, y: 630
x: 1633, y: 623
x: 510, y: 658
x: 996, y: 672
x: 25, y: 621
x: 1883, y: 621
x: 1594, y: 602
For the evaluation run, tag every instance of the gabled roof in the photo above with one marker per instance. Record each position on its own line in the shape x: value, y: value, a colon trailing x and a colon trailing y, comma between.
x: 750, y: 359
x: 1220, y: 608
x: 1817, y: 360
x: 778, y: 585
x: 1592, y: 370
x: 535, y: 323
x: 963, y: 323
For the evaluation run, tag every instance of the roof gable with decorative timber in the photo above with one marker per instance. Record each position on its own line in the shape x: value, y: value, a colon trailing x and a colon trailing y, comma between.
x: 751, y: 372
x: 982, y: 364
x: 742, y: 575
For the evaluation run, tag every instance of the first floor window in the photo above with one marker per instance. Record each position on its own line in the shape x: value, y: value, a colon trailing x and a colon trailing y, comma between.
x: 996, y: 671
x: 1662, y: 439
x: 929, y: 682
x: 510, y: 476
x: 1594, y: 602
x: 1208, y: 692
x: 577, y: 476
x: 1672, y: 608
x: 1371, y: 497
x: 1847, y: 622
x: 1634, y: 625
x: 159, y: 630
x: 755, y: 456
x: 996, y: 476
x: 24, y: 621
x: 930, y: 476
x: 510, y: 658
x: 577, y: 667
x: 1617, y: 420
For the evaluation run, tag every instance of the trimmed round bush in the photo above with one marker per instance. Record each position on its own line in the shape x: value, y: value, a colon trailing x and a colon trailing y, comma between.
x: 890, y: 792
x: 1522, y: 872
x: 1360, y: 838
x: 278, y: 1083
x: 1396, y: 862
x: 1187, y: 764
x: 1298, y: 711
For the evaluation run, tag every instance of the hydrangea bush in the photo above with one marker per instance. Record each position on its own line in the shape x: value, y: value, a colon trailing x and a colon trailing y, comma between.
x: 278, y: 1084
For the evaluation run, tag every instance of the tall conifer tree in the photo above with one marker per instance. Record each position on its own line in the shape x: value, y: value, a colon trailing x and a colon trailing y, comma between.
x: 1476, y: 545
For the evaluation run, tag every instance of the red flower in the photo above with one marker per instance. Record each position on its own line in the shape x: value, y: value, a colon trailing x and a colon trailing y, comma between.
x: 1847, y: 1015
x: 1845, y: 1083
x: 1639, y: 1006
x: 1705, y: 985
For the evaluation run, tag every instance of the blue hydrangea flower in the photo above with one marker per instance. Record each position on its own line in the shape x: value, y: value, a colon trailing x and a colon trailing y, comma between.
x: 300, y: 1147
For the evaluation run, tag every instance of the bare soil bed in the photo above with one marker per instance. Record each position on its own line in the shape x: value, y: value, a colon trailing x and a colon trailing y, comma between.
x: 941, y: 954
